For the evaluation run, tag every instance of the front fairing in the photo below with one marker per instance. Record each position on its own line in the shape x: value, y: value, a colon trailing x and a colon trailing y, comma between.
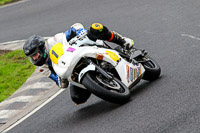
x: 73, y: 54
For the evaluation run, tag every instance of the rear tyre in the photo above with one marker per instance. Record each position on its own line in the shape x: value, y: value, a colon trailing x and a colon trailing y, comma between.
x: 112, y: 91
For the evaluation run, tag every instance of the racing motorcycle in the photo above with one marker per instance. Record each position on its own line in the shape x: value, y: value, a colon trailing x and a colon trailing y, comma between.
x: 96, y: 66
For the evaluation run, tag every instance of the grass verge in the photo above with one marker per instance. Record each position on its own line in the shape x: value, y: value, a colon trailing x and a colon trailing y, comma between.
x: 3, y: 2
x: 15, y: 69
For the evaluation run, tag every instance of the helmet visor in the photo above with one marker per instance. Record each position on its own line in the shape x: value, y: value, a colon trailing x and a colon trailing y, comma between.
x: 35, y: 57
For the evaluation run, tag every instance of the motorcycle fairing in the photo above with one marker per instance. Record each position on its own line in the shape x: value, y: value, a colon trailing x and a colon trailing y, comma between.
x: 67, y: 62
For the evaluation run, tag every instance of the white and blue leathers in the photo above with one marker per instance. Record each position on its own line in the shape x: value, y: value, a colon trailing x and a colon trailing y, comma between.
x: 63, y: 38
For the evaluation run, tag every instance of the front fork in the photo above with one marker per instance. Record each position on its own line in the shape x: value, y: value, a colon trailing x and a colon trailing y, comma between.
x: 92, y: 67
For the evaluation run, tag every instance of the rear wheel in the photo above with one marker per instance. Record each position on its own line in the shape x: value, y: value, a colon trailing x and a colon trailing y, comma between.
x: 110, y: 90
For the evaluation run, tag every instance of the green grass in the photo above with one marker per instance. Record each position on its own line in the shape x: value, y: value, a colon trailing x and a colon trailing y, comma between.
x: 3, y: 2
x: 15, y: 69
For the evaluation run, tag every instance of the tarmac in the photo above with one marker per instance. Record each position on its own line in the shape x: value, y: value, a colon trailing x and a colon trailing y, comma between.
x: 35, y: 91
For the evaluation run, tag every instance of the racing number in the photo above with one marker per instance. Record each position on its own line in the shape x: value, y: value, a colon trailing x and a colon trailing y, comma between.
x: 54, y: 53
x: 97, y: 25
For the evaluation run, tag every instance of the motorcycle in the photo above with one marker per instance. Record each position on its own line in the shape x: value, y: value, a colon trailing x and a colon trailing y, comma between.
x: 107, y: 73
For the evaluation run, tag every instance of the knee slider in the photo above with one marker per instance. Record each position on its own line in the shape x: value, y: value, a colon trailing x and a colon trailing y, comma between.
x: 99, y: 31
x: 97, y: 27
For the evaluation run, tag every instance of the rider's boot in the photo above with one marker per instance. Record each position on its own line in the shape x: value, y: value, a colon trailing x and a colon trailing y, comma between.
x: 120, y: 40
x: 79, y: 95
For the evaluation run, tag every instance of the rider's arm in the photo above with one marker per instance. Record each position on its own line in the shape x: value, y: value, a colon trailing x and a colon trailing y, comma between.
x: 62, y: 83
x: 55, y: 78
x: 47, y: 70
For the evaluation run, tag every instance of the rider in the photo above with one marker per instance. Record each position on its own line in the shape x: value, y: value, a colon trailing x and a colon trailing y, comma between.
x: 37, y: 51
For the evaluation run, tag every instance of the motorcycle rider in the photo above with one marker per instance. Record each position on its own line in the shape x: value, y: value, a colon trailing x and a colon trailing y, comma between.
x: 37, y: 51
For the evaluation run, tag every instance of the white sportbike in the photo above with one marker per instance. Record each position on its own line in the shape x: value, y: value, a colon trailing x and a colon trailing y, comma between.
x: 109, y: 74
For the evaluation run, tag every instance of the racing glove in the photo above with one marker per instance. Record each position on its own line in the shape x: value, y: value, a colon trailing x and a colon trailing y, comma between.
x: 62, y: 83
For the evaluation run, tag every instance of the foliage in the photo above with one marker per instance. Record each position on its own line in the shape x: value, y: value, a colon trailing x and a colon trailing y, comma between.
x: 14, y: 71
x: 3, y: 2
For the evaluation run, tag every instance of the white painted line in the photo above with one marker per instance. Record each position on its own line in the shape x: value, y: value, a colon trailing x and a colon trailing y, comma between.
x: 191, y: 36
x: 13, y: 42
x: 4, y: 114
x: 18, y: 41
x: 35, y: 110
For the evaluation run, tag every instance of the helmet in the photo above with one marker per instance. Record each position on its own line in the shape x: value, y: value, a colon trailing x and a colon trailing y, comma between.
x: 34, y: 49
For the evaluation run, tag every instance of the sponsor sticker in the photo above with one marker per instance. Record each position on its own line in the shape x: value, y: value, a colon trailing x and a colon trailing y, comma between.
x: 128, y: 75
x: 71, y: 49
x: 133, y: 73
x: 113, y: 56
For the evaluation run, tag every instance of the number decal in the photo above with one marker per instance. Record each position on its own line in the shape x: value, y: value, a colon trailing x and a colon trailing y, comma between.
x: 56, y: 52
x: 97, y: 26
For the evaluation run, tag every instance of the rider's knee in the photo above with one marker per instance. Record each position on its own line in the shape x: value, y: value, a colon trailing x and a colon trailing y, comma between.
x: 99, y: 31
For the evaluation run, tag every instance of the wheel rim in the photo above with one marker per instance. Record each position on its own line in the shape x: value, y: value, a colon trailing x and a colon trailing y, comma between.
x: 113, y: 85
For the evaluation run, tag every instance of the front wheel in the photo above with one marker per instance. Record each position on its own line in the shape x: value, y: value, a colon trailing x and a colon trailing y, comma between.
x: 152, y: 69
x: 110, y: 90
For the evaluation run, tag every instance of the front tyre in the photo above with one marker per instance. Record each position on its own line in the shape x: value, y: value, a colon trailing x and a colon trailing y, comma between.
x: 152, y: 69
x: 112, y: 91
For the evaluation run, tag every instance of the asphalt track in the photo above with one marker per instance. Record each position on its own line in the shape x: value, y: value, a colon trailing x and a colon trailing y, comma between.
x: 168, y: 29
